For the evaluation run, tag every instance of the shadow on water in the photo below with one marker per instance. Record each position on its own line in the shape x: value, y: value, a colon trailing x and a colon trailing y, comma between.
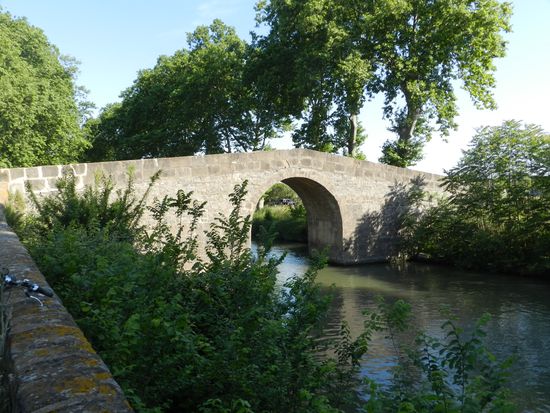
x: 520, y: 310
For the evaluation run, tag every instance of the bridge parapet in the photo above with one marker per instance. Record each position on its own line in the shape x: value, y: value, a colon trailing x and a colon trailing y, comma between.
x: 54, y: 367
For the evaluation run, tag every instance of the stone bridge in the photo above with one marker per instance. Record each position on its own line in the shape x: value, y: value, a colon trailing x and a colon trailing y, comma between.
x: 353, y: 211
x: 352, y: 205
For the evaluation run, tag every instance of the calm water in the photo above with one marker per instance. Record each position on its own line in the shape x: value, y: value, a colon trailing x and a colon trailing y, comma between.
x: 520, y: 310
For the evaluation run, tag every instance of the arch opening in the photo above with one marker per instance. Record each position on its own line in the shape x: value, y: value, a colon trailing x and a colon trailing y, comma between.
x: 324, y: 220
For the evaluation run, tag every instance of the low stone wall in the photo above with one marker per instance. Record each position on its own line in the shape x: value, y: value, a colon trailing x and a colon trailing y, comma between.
x: 54, y: 367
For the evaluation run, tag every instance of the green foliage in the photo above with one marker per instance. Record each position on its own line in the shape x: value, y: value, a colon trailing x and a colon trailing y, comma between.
x: 311, y: 67
x: 280, y: 222
x: 422, y: 48
x: 287, y: 223
x: 451, y: 375
x: 321, y: 59
x: 280, y: 191
x: 14, y: 211
x: 197, y: 101
x: 218, y: 334
x: 40, y: 106
x: 497, y: 214
x: 91, y: 209
x: 182, y: 333
x: 401, y: 152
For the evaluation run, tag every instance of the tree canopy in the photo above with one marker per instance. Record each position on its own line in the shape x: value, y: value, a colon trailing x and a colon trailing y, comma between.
x: 505, y: 177
x: 313, y: 70
x: 39, y: 113
x: 422, y: 48
x: 317, y: 65
x: 196, y: 101
x: 325, y: 57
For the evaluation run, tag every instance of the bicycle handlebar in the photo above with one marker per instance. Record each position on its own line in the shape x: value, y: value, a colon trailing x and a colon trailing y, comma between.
x: 31, y: 287
x: 36, y: 288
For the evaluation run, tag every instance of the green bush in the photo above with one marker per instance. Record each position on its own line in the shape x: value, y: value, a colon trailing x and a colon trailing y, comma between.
x: 180, y: 333
x: 497, y: 213
x: 450, y: 375
x: 288, y: 223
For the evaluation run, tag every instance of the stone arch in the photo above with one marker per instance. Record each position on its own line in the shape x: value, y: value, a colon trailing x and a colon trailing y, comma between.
x: 324, y: 215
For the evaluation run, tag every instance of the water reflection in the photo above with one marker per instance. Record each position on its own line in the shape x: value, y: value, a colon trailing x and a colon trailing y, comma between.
x: 520, y: 310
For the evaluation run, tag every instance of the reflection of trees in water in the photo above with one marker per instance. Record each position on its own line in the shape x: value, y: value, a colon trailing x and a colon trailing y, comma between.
x: 520, y: 310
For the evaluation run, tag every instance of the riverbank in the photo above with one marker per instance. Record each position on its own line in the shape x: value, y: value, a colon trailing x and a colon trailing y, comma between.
x: 288, y: 222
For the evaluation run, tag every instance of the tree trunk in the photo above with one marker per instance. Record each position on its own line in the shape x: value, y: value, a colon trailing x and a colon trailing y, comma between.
x: 228, y: 142
x: 406, y: 131
x: 352, y: 138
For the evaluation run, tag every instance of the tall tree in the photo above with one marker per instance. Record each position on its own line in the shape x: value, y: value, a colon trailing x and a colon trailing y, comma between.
x: 39, y: 113
x: 422, y: 47
x: 324, y: 57
x: 198, y: 100
x: 312, y: 68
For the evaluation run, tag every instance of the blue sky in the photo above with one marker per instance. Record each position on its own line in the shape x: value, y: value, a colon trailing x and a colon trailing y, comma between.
x: 114, y: 39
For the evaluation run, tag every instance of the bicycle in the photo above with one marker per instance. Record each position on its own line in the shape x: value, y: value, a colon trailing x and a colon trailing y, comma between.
x: 31, y: 288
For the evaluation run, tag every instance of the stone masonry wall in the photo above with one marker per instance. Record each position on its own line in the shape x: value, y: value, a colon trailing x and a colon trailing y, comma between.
x: 54, y: 367
x: 351, y: 204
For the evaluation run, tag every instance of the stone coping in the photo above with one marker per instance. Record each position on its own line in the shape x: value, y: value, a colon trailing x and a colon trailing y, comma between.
x: 54, y: 367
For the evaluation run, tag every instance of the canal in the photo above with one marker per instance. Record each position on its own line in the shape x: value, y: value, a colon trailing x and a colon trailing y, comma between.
x: 520, y: 310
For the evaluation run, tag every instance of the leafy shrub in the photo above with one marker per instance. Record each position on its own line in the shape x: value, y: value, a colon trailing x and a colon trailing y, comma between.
x: 288, y: 223
x: 450, y: 375
x: 98, y: 206
x: 498, y: 208
x: 181, y: 333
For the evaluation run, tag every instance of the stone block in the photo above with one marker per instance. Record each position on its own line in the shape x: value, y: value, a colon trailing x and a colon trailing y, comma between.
x: 68, y: 170
x: 168, y: 172
x: 199, y: 171
x: 38, y: 184
x: 116, y: 168
x: 50, y: 171
x: 32, y: 173
x: 183, y: 172
x: 4, y: 193
x: 80, y: 169
x: 171, y: 163
x: 148, y: 164
x: 306, y: 162
x: 214, y: 170
x: 278, y: 164
x: 15, y: 173
x: 51, y: 183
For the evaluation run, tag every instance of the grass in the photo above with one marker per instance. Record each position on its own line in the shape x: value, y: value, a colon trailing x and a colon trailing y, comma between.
x: 290, y: 223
